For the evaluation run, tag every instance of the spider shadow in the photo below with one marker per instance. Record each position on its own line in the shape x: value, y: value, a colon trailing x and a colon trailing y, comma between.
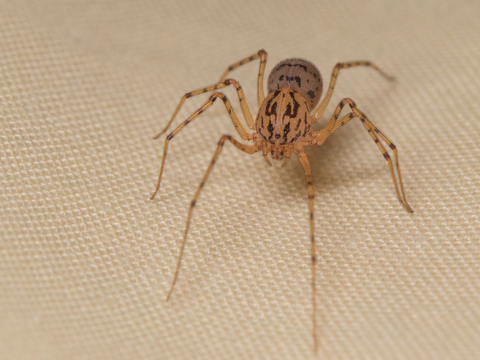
x: 340, y: 162
x: 349, y: 156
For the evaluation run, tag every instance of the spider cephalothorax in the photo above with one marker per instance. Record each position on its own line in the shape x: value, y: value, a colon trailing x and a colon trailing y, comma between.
x: 283, y: 117
x: 283, y: 126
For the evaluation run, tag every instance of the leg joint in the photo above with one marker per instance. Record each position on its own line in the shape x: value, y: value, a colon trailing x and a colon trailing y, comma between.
x: 218, y: 95
x: 350, y: 102
x: 223, y: 138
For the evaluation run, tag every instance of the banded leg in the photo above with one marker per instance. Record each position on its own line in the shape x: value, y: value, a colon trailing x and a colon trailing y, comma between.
x: 317, y: 114
x: 262, y: 54
x: 335, y: 124
x: 311, y: 196
x: 245, y: 148
x: 238, y: 126
x: 241, y: 97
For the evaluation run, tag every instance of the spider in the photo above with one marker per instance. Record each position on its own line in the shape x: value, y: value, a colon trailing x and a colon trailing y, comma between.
x: 282, y: 127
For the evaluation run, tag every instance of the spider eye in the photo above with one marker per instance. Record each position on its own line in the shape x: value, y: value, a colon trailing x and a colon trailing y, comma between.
x: 270, y: 128
x: 286, y: 129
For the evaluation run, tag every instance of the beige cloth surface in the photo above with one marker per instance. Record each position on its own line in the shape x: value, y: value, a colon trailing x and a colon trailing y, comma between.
x: 86, y: 259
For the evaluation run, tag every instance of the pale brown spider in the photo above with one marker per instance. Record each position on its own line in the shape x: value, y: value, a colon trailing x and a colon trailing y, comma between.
x: 283, y: 126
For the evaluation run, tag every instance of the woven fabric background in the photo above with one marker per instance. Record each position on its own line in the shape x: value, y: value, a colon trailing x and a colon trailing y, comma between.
x: 86, y: 258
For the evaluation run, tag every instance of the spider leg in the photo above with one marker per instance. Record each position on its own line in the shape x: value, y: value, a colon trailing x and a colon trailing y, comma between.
x: 262, y: 54
x: 311, y: 196
x: 241, y: 97
x: 335, y: 124
x: 238, y: 126
x: 245, y: 148
x: 318, y: 112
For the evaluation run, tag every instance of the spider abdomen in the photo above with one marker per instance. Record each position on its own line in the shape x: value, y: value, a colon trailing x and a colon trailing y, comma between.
x: 299, y: 75
x: 283, y: 117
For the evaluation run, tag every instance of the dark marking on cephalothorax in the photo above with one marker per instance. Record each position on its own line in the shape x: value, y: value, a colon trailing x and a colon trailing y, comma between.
x: 272, y: 109
x: 288, y: 110
x: 286, y: 130
x: 270, y: 130
x: 292, y: 95
x: 297, y: 135
x: 307, y: 129
x: 298, y: 124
